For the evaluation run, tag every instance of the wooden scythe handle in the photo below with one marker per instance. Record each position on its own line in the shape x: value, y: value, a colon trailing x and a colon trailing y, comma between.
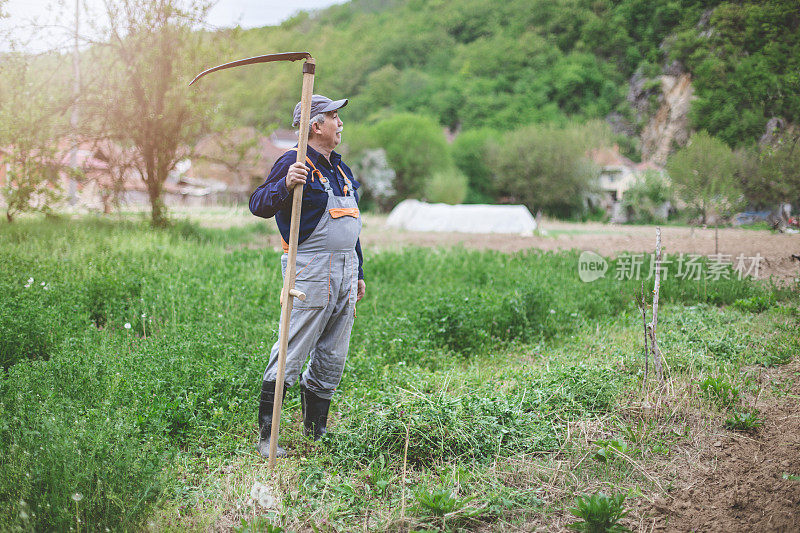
x: 289, y: 292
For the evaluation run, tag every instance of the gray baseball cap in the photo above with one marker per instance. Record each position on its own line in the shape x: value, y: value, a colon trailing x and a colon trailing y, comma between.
x: 319, y: 104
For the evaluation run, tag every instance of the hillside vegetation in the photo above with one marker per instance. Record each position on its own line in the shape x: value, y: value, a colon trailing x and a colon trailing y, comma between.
x: 478, y: 63
x: 529, y: 87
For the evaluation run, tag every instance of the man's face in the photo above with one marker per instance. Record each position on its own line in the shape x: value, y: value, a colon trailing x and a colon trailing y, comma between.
x: 330, y: 131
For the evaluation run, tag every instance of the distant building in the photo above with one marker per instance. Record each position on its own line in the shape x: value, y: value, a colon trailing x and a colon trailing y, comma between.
x: 617, y: 172
x: 283, y: 140
x: 617, y: 175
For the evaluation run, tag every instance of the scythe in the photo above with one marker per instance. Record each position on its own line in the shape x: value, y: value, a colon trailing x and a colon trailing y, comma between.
x: 288, y: 292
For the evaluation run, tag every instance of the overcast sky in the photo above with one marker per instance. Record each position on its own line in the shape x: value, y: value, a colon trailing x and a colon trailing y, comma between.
x: 246, y: 13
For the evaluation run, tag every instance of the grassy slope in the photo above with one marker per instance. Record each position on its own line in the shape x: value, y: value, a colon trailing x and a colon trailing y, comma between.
x: 458, y: 348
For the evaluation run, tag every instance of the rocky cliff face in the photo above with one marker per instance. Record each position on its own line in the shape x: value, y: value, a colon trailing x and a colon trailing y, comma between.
x: 669, y: 127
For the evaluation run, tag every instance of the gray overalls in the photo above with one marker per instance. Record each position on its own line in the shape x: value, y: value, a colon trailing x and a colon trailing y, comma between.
x: 327, y: 272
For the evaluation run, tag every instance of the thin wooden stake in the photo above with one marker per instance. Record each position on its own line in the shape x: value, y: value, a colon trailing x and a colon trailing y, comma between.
x: 654, y: 324
x: 643, y: 307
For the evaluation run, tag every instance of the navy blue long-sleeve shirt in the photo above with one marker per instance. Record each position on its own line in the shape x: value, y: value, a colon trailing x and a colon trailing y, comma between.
x: 272, y: 198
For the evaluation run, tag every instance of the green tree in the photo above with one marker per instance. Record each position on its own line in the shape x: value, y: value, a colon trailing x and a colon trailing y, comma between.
x: 32, y: 121
x: 415, y: 148
x: 546, y: 167
x: 772, y: 175
x: 704, y: 175
x: 471, y: 156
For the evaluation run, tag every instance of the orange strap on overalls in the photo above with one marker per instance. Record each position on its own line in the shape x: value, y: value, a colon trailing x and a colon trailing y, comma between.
x: 321, y: 177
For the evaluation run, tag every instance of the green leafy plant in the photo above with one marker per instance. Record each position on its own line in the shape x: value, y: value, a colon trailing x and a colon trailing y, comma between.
x: 444, y: 502
x: 744, y: 421
x: 607, y: 449
x: 719, y: 390
x: 380, y: 477
x: 129, y: 414
x: 703, y: 173
x: 600, y: 513
x: 438, y: 502
x: 775, y: 358
x: 754, y: 304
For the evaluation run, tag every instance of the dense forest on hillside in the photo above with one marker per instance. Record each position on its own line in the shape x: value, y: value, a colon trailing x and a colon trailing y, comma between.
x: 478, y: 63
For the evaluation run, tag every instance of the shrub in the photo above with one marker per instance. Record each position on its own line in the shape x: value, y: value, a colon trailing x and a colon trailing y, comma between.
x: 646, y: 196
x: 545, y: 167
x: 703, y: 174
x: 446, y: 186
x: 377, y: 180
x: 471, y: 156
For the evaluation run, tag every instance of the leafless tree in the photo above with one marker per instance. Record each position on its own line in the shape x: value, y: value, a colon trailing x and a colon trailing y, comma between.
x: 139, y: 97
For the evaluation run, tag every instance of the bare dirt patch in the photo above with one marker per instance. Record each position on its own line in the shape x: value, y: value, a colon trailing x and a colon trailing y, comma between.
x: 608, y: 240
x: 744, y: 482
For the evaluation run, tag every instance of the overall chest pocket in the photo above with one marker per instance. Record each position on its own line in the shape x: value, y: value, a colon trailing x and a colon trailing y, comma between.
x: 312, y: 279
x: 314, y: 193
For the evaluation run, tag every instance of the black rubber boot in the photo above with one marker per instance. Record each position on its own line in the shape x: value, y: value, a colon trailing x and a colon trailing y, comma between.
x: 265, y: 406
x: 315, y: 413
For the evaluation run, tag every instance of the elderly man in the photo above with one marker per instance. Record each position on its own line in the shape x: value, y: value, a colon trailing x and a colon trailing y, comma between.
x: 329, y: 267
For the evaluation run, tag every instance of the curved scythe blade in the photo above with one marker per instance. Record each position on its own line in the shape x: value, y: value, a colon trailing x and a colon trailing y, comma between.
x: 288, y: 56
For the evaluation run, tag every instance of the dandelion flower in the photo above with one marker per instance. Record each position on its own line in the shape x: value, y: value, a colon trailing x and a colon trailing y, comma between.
x: 127, y: 325
x: 265, y: 497
x: 255, y: 490
x: 77, y: 497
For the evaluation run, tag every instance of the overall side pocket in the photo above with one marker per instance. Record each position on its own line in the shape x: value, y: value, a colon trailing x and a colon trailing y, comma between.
x: 312, y: 279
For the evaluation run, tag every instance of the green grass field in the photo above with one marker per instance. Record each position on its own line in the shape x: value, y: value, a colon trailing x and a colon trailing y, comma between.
x: 132, y: 360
